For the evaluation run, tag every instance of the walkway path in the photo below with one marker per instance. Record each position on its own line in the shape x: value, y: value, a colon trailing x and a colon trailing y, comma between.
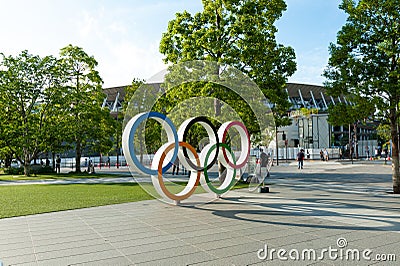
x: 318, y: 208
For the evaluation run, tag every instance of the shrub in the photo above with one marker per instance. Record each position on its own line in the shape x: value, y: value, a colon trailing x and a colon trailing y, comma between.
x: 14, y: 171
x: 38, y: 169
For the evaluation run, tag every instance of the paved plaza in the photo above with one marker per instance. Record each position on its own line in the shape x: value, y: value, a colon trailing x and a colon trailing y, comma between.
x: 322, y: 208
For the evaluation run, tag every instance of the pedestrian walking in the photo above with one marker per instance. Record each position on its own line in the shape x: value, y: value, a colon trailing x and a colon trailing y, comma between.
x: 300, y: 159
x: 87, y: 163
x: 326, y: 155
x: 263, y: 164
x: 58, y: 164
x: 321, y: 155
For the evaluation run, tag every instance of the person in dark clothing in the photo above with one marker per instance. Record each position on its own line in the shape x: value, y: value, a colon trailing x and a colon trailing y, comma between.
x: 58, y: 164
x: 263, y: 164
x: 175, y: 167
x: 300, y: 159
x: 263, y: 158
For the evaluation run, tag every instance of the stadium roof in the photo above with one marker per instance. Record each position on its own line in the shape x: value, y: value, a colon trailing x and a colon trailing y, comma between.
x: 300, y: 95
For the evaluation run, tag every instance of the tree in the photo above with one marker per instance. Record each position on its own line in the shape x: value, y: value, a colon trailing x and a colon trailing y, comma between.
x: 29, y: 93
x: 383, y: 132
x: 351, y: 114
x: 365, y: 62
x: 236, y: 33
x: 89, y: 124
x: 147, y: 139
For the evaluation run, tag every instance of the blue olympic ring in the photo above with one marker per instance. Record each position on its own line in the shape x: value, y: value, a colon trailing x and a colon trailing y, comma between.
x: 131, y: 130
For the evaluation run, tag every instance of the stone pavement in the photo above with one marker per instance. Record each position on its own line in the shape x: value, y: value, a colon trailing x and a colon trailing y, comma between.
x: 324, y: 206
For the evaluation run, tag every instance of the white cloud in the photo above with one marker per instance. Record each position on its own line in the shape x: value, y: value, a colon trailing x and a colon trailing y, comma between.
x: 130, y: 61
x: 120, y: 56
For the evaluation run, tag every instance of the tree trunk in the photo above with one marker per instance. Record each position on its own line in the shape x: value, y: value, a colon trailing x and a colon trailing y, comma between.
x: 78, y: 156
x: 27, y: 169
x: 395, y: 152
x: 355, y: 141
x: 53, y: 161
x: 27, y: 166
x: 7, y: 161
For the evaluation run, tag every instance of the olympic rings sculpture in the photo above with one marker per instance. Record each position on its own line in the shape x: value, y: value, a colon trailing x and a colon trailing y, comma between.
x: 177, y: 147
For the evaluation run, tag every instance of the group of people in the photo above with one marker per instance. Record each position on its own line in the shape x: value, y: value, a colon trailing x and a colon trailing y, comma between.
x: 175, y: 168
x: 90, y: 165
x: 47, y: 163
x: 324, y: 155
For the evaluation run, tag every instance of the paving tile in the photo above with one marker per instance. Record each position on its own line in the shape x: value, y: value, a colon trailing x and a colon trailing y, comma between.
x: 117, y: 261
x: 148, y: 248
x: 17, y: 252
x: 243, y: 248
x: 20, y: 245
x: 195, y: 233
x: 55, y: 241
x: 11, y: 260
x: 69, y: 245
x: 142, y: 241
x: 82, y: 258
x: 66, y: 252
x: 221, y: 243
x: 274, y: 234
x: 23, y: 238
x: 188, y: 259
x: 33, y: 263
x: 61, y: 235
x: 134, y: 237
x: 216, y: 262
x: 378, y: 240
x: 130, y: 231
x: 227, y: 236
x: 163, y: 254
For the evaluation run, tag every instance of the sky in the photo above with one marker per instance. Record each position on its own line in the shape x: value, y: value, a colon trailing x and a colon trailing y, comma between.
x: 124, y: 35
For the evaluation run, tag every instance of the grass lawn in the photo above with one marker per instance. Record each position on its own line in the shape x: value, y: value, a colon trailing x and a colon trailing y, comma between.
x: 18, y: 200
x: 32, y: 199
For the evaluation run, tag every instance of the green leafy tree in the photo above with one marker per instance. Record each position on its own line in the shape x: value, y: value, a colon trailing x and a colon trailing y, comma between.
x: 147, y: 138
x: 30, y: 92
x: 365, y: 62
x: 236, y: 33
x: 353, y: 115
x: 344, y: 114
x: 88, y: 124
x: 383, y: 132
